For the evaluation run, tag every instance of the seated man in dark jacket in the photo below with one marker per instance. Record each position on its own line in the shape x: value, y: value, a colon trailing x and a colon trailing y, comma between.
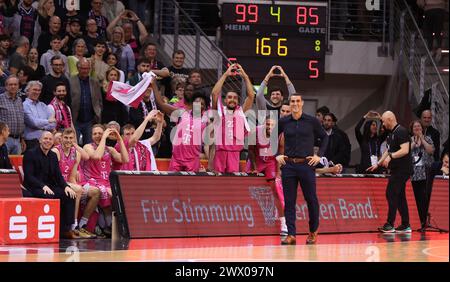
x: 43, y: 178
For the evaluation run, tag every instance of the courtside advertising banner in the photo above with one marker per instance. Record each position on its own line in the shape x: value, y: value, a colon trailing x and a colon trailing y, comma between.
x: 177, y: 205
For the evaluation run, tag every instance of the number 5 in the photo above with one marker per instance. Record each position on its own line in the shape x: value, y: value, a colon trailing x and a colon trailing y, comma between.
x: 314, y: 70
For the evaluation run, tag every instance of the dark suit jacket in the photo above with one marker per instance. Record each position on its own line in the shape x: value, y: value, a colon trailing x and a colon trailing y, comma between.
x: 339, y: 147
x: 436, y: 137
x: 96, y: 97
x: 35, y: 176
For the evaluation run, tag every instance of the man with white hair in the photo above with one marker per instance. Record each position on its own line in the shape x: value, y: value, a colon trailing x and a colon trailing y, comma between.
x: 398, y: 159
x: 38, y: 117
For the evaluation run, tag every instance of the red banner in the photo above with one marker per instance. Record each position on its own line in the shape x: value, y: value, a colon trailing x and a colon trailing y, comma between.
x: 183, y: 206
x: 29, y: 220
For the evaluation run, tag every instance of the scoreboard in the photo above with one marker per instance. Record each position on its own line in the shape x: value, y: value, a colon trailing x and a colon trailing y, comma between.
x: 259, y: 34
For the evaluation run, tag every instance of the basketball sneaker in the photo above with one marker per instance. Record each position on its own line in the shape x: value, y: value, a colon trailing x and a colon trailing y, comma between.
x: 403, y: 229
x: 387, y: 228
x: 284, y: 229
x: 312, y: 238
x: 86, y: 234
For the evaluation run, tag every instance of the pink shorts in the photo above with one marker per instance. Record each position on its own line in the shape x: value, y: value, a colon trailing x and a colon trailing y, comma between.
x: 226, y: 161
x: 268, y: 168
x: 105, y: 199
x: 176, y: 165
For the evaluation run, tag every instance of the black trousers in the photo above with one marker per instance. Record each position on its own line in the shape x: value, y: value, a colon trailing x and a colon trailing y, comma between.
x: 67, y: 206
x: 396, y: 197
x: 292, y: 175
x: 420, y: 194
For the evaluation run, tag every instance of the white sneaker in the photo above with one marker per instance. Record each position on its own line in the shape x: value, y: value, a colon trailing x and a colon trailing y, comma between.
x: 284, y: 230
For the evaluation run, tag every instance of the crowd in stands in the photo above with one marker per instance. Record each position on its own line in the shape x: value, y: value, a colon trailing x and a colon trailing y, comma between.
x: 56, y: 66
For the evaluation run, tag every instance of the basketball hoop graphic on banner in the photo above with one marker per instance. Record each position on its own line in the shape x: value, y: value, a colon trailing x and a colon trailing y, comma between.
x: 266, y: 201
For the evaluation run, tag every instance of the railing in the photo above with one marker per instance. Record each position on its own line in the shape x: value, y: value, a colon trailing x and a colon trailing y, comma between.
x: 418, y: 65
x: 175, y: 29
x: 358, y: 20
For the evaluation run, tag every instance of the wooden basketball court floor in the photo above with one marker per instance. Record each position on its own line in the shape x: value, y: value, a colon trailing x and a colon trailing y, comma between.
x: 356, y: 247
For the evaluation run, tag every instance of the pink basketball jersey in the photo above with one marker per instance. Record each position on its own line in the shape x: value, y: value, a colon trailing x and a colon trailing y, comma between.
x: 66, y: 163
x: 98, y: 170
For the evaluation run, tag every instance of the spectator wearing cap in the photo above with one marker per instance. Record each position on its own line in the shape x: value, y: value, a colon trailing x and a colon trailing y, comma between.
x: 73, y: 33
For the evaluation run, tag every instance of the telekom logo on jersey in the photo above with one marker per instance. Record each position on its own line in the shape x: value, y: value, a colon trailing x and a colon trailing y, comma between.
x: 29, y: 220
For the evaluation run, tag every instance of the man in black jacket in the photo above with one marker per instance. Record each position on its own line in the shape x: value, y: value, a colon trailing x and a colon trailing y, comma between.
x: 5, y: 163
x: 339, y: 147
x: 50, y: 81
x: 43, y: 178
x: 426, y: 118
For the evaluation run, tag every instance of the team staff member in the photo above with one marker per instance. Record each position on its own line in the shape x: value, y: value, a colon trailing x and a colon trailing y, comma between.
x: 43, y: 178
x: 398, y: 159
x: 297, y: 160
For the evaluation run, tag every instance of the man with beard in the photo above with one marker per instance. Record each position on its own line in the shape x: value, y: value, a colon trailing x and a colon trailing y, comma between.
x: 231, y: 127
x: 59, y: 110
x: 50, y: 81
x: 187, y: 141
x: 276, y: 95
x: 262, y: 160
x: 69, y: 155
x: 143, y: 65
x: 43, y: 178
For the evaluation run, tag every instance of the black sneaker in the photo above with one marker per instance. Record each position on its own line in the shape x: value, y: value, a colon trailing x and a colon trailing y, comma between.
x: 403, y: 229
x: 387, y: 228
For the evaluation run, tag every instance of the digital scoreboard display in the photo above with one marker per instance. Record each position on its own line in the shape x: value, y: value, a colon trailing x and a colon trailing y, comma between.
x: 260, y: 34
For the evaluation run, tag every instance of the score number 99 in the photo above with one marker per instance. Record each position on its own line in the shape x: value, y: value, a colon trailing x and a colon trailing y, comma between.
x: 250, y: 14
